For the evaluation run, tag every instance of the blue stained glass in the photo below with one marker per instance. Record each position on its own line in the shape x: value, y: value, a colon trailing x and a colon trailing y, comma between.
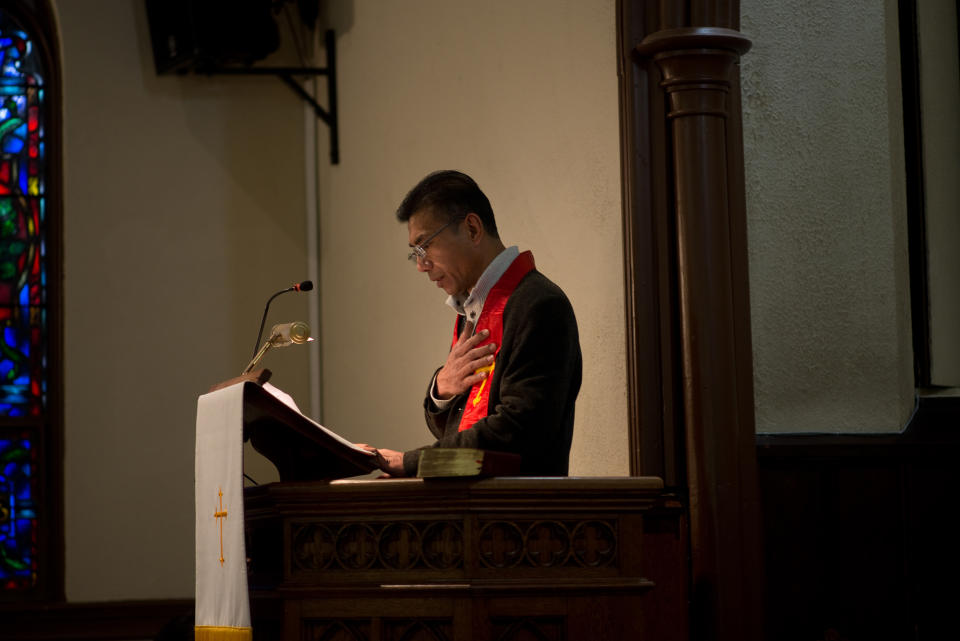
x: 13, y: 144
x: 23, y: 299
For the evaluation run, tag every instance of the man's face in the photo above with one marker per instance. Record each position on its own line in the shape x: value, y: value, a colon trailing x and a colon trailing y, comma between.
x: 447, y: 254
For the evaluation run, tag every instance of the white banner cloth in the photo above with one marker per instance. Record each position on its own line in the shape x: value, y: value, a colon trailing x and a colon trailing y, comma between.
x: 223, y: 603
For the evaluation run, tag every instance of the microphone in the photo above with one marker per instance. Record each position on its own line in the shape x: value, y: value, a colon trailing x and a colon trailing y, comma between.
x: 305, y: 286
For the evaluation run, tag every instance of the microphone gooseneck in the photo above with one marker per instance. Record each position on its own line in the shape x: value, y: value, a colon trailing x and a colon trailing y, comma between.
x: 304, y: 286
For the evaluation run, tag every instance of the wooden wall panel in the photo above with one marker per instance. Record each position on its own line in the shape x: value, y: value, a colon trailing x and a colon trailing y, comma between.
x: 857, y: 540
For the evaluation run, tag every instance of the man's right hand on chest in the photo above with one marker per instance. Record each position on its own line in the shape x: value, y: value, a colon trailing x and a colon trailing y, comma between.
x: 465, y: 361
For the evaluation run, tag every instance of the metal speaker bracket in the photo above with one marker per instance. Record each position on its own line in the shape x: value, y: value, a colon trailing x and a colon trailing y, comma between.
x: 286, y: 74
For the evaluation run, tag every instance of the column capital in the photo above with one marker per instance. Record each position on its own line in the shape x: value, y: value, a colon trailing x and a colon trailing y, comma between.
x: 696, y: 63
x: 671, y: 40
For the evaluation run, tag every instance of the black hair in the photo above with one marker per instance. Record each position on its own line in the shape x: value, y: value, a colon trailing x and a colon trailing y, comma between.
x: 449, y: 195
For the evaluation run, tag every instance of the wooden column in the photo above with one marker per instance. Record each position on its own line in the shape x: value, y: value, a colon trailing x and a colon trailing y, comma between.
x: 711, y: 316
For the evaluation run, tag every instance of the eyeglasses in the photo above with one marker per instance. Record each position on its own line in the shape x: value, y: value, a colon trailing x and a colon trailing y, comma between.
x: 420, y: 251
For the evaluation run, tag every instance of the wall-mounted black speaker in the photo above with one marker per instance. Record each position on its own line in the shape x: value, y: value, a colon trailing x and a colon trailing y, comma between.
x: 198, y: 35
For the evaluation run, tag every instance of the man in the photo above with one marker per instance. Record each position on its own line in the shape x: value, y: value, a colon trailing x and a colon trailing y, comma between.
x: 513, y: 372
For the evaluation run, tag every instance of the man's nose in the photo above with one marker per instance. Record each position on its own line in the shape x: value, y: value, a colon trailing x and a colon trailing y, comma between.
x: 423, y: 264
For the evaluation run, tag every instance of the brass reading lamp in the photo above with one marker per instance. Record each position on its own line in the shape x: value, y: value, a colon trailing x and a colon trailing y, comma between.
x: 282, y: 335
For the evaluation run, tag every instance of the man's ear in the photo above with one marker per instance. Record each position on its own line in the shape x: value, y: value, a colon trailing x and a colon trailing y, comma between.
x: 475, y: 229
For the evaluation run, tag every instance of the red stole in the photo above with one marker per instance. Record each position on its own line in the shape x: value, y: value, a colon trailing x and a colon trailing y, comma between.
x: 491, y: 318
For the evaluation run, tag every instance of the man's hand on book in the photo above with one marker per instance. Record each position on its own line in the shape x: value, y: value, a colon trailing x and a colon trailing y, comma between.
x: 390, y: 461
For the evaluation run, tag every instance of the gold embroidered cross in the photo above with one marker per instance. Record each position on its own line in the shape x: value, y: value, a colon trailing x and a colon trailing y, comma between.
x: 489, y: 370
x: 220, y: 514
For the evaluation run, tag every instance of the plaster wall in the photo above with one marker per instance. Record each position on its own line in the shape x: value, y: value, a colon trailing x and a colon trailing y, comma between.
x: 826, y: 216
x: 523, y: 97
x: 184, y: 210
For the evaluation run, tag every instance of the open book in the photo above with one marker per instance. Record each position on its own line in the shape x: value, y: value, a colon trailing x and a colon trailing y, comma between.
x: 301, y: 448
x: 287, y: 400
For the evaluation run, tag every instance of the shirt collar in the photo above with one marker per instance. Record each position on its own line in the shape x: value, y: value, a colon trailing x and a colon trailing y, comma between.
x: 471, y: 306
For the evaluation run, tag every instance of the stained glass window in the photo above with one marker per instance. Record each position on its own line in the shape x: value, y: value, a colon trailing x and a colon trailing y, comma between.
x: 23, y: 300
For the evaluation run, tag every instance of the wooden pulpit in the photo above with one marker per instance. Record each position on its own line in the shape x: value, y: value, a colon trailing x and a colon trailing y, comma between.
x: 498, y: 559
